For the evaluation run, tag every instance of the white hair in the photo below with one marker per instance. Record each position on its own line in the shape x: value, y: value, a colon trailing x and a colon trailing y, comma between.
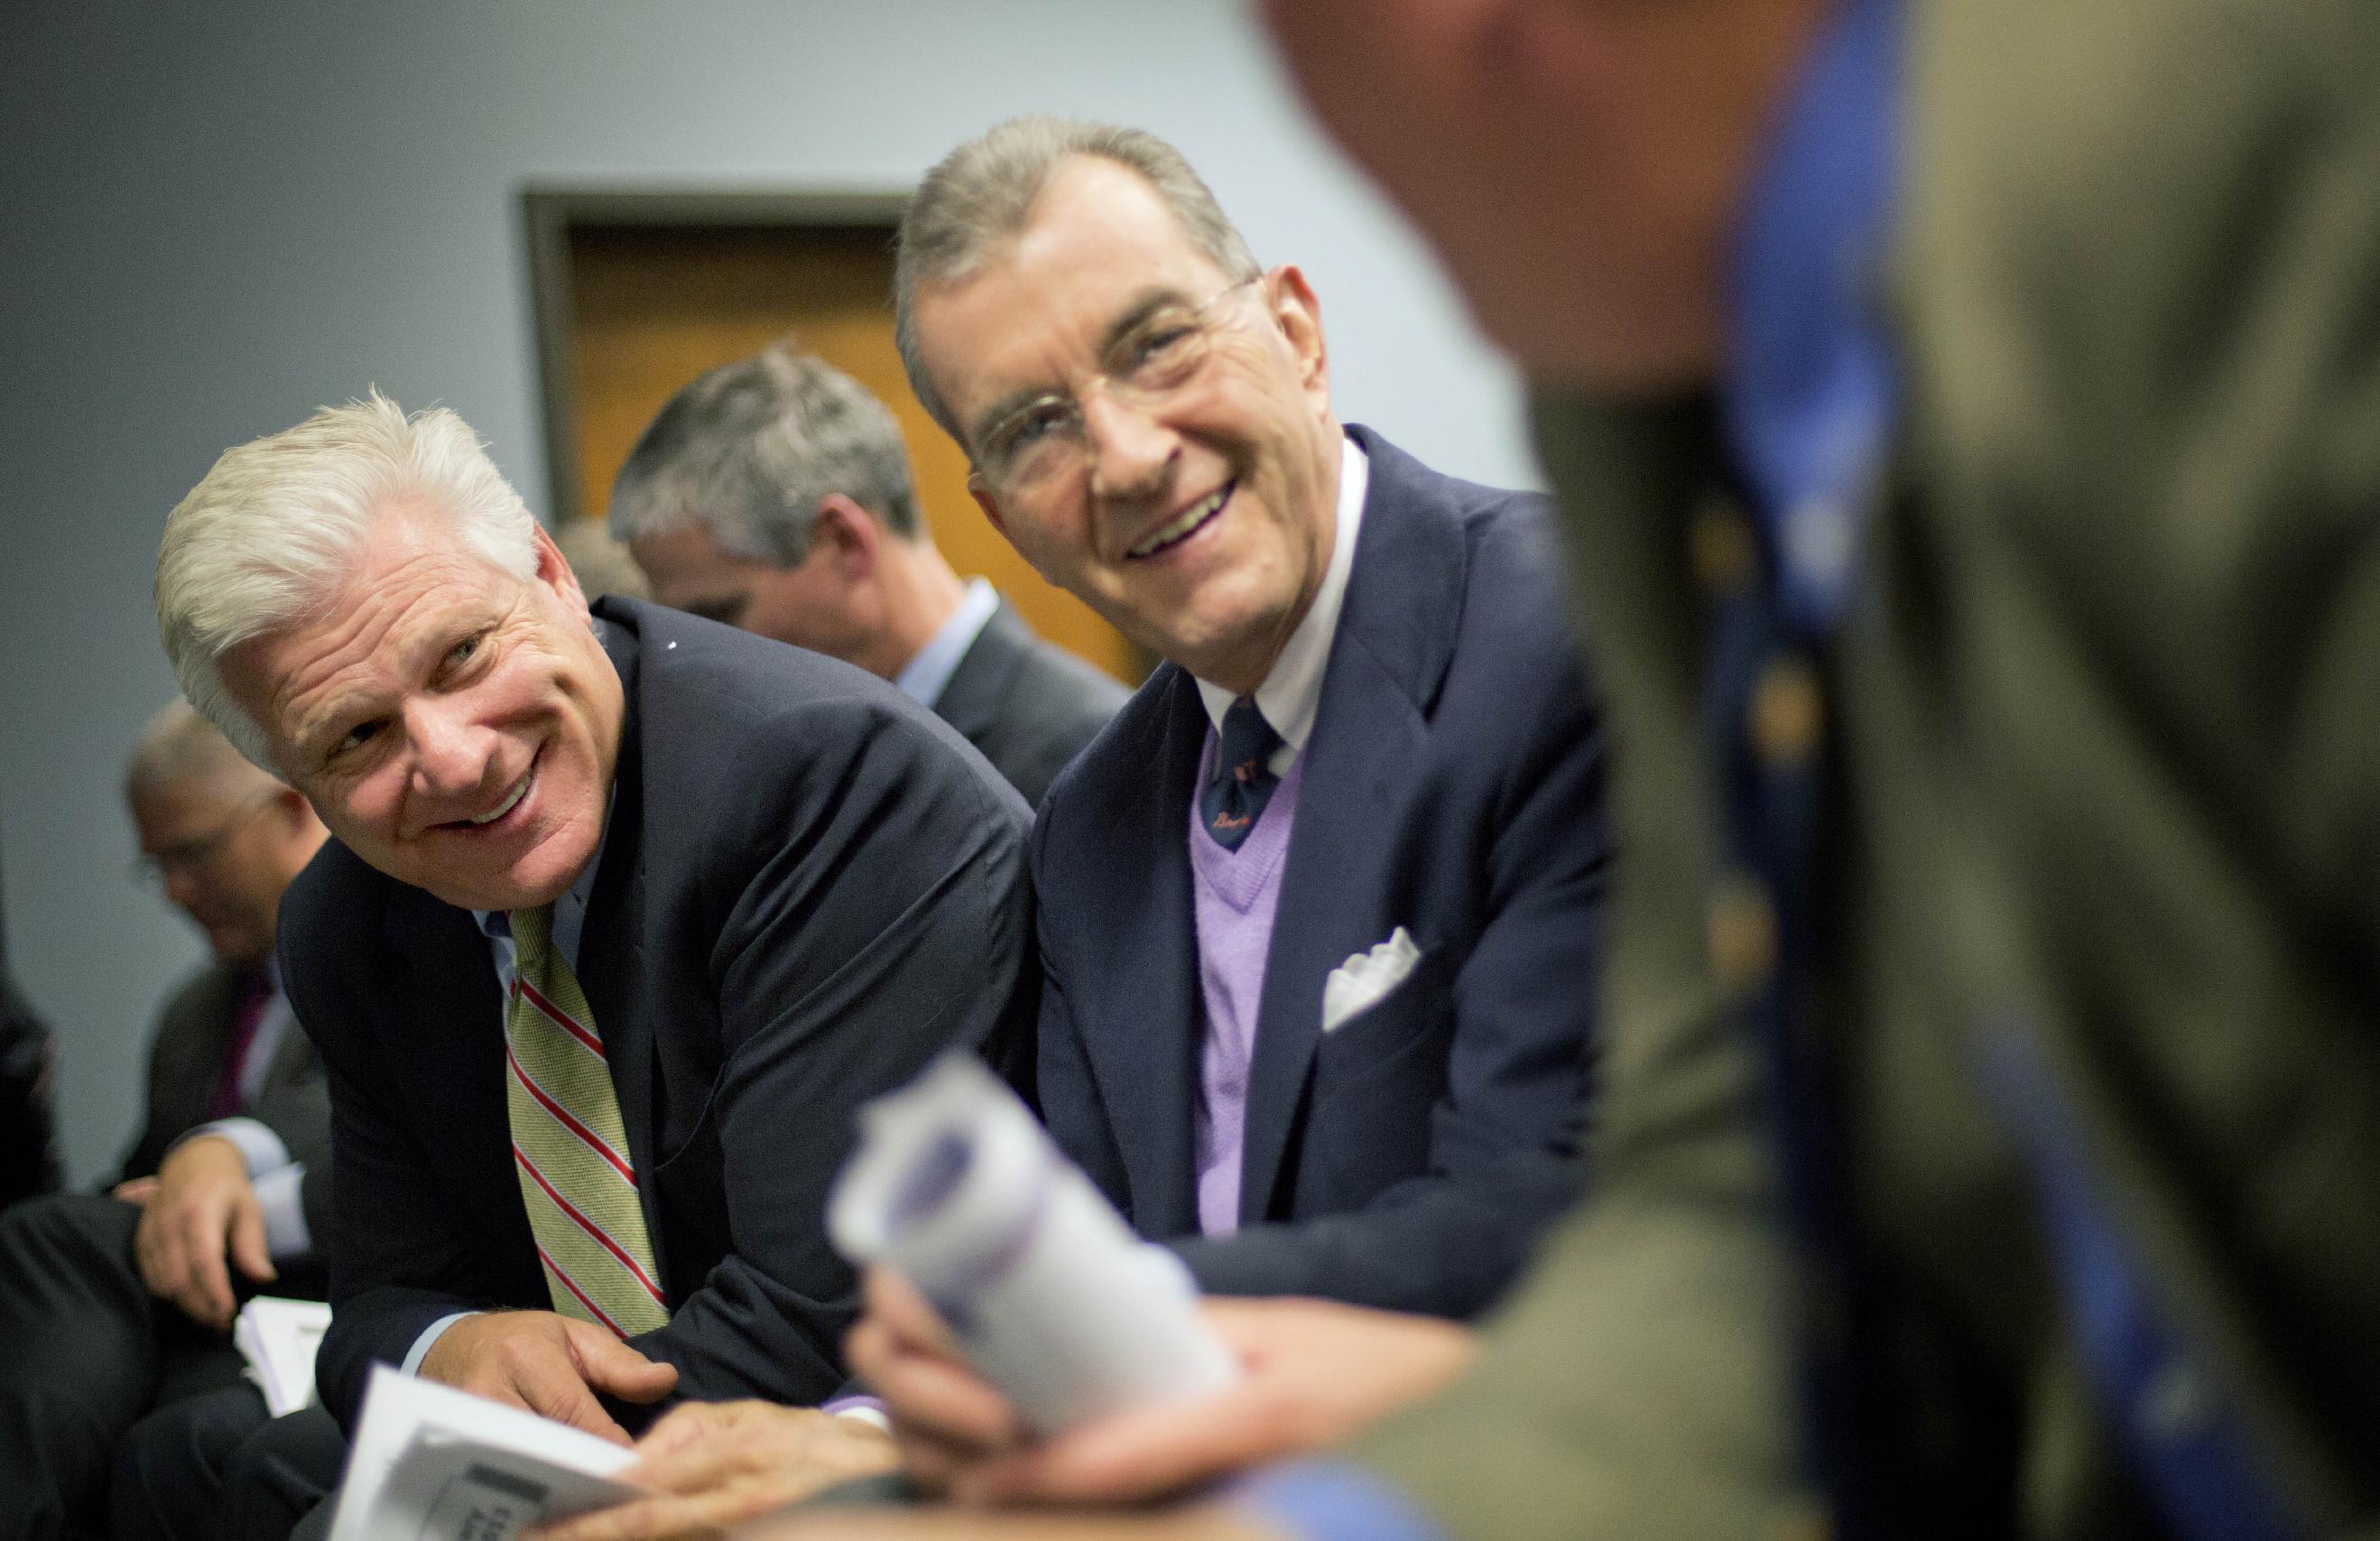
x: 274, y: 528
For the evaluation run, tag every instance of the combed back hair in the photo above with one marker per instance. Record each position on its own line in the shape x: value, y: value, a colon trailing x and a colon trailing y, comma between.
x: 982, y: 193
x: 181, y: 748
x: 268, y: 535
x: 750, y: 449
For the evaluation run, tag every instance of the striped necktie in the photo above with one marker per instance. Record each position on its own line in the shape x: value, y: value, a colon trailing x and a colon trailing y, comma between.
x: 570, y: 1147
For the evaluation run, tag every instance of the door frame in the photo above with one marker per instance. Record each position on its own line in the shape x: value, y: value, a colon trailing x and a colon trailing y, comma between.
x: 551, y: 213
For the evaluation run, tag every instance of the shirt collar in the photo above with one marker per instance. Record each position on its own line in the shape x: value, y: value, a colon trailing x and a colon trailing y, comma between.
x: 570, y: 910
x: 1810, y: 393
x: 1292, y: 694
x: 925, y: 677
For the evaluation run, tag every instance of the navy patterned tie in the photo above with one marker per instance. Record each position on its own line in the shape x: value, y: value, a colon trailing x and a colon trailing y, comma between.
x: 1234, y: 798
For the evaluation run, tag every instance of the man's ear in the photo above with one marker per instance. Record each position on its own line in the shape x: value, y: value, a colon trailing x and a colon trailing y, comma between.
x: 1299, y: 315
x: 847, y: 534
x: 988, y: 503
x: 290, y: 806
x: 553, y: 571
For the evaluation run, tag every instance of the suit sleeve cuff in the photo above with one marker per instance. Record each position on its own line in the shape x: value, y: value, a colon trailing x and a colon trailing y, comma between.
x: 258, y: 1147
x: 430, y: 1335
x: 278, y: 1195
x: 865, y: 1410
x: 1333, y: 1500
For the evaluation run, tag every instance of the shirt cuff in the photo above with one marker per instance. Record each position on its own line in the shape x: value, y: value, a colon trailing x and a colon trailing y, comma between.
x: 866, y: 1410
x: 258, y: 1147
x: 285, y: 1213
x: 429, y: 1335
x: 1333, y: 1500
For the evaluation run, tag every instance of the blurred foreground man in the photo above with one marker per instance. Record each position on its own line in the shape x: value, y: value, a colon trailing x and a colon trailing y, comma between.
x: 1965, y: 417
x: 774, y: 494
x: 625, y: 915
x: 113, y: 1303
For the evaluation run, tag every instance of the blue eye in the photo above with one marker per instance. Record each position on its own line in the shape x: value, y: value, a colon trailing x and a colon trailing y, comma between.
x: 461, y: 651
x: 357, y: 737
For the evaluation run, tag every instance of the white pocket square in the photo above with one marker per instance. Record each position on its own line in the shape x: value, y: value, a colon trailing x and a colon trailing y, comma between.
x: 1365, y: 978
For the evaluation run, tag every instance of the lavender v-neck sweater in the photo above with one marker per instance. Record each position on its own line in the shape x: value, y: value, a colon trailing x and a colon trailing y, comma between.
x: 1235, y: 893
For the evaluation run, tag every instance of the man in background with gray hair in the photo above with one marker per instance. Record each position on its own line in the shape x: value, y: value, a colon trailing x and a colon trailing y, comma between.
x: 113, y: 1303
x: 774, y: 494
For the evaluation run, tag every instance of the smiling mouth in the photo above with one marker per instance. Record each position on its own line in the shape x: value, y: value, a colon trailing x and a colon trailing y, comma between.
x: 1185, y: 524
x: 512, y: 801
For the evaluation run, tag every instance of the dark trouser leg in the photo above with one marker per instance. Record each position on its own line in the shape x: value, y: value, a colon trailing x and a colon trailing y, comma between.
x: 216, y: 1468
x: 283, y: 1471
x: 85, y: 1349
x: 168, y: 1482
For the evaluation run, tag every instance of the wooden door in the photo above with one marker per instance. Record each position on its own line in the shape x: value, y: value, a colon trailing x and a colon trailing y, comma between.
x: 644, y: 307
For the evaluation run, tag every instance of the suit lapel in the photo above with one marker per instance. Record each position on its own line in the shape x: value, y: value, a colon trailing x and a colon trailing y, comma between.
x: 972, y: 697
x: 611, y: 944
x: 1387, y: 658
x: 1142, y: 1031
x: 179, y: 1098
x: 451, y: 1036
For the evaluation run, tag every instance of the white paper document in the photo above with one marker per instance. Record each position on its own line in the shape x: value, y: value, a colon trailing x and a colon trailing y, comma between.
x: 433, y: 1463
x: 1049, y: 1292
x: 278, y: 1337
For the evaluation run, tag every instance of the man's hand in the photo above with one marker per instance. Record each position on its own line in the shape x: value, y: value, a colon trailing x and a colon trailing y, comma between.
x: 716, y: 1463
x: 1315, y: 1374
x: 552, y: 1364
x: 135, y: 1189
x: 202, y: 1210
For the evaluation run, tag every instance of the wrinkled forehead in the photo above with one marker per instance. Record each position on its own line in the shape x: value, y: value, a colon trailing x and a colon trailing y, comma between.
x: 411, y: 589
x: 1099, y: 247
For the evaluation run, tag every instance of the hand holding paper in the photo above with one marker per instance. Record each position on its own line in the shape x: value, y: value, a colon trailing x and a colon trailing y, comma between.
x: 1046, y: 1290
x: 548, y: 1364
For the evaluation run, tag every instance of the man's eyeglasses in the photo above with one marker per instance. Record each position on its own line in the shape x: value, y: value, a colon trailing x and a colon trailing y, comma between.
x: 1146, y: 367
x: 198, y: 853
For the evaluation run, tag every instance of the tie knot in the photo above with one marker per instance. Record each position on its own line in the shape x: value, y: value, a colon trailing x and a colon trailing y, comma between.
x: 532, y: 932
x: 1247, y: 743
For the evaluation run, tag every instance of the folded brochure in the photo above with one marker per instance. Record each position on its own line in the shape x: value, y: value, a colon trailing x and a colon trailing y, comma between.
x: 433, y: 1463
x: 278, y: 1337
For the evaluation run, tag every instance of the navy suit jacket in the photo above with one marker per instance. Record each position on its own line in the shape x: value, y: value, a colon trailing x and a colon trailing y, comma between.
x: 1029, y: 705
x: 1454, y: 786
x: 808, y: 886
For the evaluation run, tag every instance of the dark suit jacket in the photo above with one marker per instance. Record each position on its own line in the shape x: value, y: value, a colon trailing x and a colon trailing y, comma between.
x: 2102, y: 769
x: 1028, y: 705
x: 1452, y: 786
x: 29, y: 1156
x: 28, y: 1146
x: 185, y: 1063
x: 807, y: 887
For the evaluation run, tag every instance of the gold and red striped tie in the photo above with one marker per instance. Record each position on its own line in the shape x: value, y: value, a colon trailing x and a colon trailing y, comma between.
x: 570, y: 1149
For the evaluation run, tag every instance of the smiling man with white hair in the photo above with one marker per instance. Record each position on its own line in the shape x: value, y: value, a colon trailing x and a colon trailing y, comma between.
x: 624, y: 913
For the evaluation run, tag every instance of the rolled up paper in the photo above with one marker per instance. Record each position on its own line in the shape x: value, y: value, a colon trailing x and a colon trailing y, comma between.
x: 1052, y: 1297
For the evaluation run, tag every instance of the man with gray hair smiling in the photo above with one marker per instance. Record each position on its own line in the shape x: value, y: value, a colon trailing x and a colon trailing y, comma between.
x: 624, y: 914
x: 1320, y: 910
x: 775, y: 493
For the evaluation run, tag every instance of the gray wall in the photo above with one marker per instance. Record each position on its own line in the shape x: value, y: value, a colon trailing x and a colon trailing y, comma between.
x: 214, y: 218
